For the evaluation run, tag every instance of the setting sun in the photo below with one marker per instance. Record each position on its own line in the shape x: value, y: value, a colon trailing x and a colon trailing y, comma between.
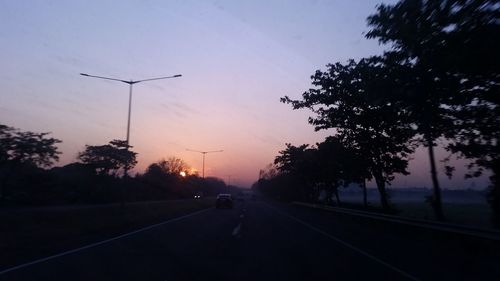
x: 261, y: 139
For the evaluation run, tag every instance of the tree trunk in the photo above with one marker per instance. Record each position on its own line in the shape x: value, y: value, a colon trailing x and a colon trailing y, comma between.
x: 7, y: 170
x: 1, y: 189
x: 384, y: 200
x: 436, y: 198
x: 494, y: 193
x: 3, y: 181
x: 336, y: 190
x: 365, y: 199
x: 122, y: 191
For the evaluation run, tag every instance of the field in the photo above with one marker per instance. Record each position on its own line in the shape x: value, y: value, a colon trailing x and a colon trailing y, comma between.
x: 474, y: 212
x: 32, y: 233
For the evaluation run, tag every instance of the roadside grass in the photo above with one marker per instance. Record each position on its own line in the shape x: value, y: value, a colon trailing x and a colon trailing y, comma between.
x: 33, y: 233
x: 470, y: 214
x: 454, y: 244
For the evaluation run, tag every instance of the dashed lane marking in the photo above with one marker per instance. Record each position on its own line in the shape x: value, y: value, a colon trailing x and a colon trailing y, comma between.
x: 237, y: 230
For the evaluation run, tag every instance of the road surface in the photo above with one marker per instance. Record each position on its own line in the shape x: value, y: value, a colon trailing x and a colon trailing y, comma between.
x: 259, y: 240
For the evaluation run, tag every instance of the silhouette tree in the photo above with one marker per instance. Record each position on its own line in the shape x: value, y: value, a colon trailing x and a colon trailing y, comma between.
x: 174, y: 166
x: 109, y: 159
x: 24, y: 148
x: 165, y: 176
x: 474, y: 56
x: 292, y: 159
x: 300, y: 164
x: 314, y: 170
x: 340, y: 166
x: 450, y: 46
x: 269, y: 172
x: 28, y: 147
x: 333, y: 166
x: 356, y: 99
x: 6, y: 143
x: 166, y: 168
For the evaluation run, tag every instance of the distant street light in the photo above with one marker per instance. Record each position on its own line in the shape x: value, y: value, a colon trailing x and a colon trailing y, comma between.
x: 204, y: 152
x: 131, y: 82
x: 228, y: 183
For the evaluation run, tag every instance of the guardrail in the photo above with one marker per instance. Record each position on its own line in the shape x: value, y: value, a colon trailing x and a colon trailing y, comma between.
x: 447, y: 227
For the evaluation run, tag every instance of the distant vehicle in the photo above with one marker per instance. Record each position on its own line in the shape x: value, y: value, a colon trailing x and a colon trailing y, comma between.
x: 198, y: 195
x: 224, y: 201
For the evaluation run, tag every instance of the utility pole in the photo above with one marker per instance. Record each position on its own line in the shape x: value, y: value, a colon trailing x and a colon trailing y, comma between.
x: 204, y: 153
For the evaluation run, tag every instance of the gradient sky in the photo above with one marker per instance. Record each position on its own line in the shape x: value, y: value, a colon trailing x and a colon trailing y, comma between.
x: 237, y: 59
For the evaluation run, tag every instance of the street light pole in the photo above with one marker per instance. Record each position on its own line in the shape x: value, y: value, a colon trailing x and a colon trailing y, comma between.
x: 129, y: 111
x: 228, y: 183
x: 130, y: 83
x: 204, y: 153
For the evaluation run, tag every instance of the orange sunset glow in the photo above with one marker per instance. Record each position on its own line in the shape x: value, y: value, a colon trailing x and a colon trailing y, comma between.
x: 234, y: 71
x: 249, y: 140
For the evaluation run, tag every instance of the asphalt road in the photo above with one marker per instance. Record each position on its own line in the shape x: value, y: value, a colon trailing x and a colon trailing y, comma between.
x: 259, y: 240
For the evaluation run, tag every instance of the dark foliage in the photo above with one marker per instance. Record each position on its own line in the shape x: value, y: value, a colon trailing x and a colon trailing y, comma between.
x: 451, y: 47
x: 24, y: 181
x: 312, y: 173
x: 27, y: 147
x: 439, y: 79
x: 357, y: 100
x: 23, y: 154
x: 109, y: 159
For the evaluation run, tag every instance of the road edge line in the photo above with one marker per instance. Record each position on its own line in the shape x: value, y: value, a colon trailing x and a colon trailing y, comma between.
x: 102, y: 242
x: 480, y: 233
x: 348, y: 245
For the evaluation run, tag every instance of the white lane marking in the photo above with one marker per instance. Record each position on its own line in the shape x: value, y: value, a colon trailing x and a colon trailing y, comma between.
x: 102, y: 242
x: 354, y: 248
x: 453, y: 228
x: 237, y: 229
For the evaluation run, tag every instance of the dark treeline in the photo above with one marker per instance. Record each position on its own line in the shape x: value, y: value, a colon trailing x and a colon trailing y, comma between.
x: 99, y: 176
x: 437, y: 81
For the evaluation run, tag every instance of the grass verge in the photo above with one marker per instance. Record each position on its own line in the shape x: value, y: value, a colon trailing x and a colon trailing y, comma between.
x: 470, y: 214
x: 28, y: 234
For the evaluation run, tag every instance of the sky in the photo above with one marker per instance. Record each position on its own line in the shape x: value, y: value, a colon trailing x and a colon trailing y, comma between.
x: 237, y: 58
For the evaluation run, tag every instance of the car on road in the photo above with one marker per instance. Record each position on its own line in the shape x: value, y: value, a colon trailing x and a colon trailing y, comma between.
x: 224, y: 200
